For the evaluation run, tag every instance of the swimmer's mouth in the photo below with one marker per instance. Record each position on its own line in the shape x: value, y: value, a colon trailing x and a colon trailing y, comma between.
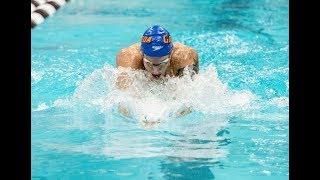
x: 156, y: 75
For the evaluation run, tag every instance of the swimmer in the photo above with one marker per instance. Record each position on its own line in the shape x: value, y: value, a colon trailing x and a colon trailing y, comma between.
x: 158, y: 56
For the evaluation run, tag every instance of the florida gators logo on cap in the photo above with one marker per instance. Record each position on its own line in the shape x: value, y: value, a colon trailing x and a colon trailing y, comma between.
x: 167, y: 39
x: 146, y: 39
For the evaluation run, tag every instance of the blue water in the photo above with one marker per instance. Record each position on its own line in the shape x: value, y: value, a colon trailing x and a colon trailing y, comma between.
x: 242, y: 134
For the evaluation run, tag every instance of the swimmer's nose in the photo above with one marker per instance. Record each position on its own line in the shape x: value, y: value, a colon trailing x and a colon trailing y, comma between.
x: 156, y: 71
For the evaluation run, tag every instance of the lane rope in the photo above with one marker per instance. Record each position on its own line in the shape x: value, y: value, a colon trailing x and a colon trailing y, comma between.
x: 42, y: 9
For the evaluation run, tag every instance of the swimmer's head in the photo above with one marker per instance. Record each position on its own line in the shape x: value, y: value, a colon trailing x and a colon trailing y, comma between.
x: 156, y: 46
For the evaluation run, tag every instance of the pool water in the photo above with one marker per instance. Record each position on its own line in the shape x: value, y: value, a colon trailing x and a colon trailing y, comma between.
x: 238, y: 128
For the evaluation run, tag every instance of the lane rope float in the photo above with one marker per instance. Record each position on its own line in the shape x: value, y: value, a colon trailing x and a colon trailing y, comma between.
x: 36, y: 3
x: 44, y: 9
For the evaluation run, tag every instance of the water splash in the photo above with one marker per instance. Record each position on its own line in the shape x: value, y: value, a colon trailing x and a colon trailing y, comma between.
x: 36, y: 76
x: 41, y: 107
x: 162, y: 99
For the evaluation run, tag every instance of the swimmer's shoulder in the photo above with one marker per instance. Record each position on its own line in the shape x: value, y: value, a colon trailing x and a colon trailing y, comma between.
x: 183, y: 56
x: 130, y: 57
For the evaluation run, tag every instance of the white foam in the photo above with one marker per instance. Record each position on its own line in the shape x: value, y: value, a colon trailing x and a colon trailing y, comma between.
x: 36, y: 76
x: 162, y: 99
x: 280, y: 101
x: 221, y: 43
x: 63, y: 103
x: 286, y: 48
x: 266, y: 172
x: 41, y: 107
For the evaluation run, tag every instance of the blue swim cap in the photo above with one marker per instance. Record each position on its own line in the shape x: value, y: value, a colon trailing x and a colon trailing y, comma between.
x: 156, y: 42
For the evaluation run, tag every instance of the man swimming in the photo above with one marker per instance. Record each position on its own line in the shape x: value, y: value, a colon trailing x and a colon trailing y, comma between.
x: 157, y: 55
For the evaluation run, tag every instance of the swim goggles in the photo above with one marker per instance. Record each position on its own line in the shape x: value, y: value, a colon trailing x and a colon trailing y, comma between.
x: 149, y: 61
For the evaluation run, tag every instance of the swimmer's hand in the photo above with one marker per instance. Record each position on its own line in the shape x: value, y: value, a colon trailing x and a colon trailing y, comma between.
x: 124, y: 111
x: 123, y: 81
x: 183, y: 111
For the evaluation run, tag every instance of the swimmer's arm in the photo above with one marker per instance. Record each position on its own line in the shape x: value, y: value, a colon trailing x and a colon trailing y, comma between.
x: 124, y: 111
x: 127, y: 58
x: 123, y: 81
x: 195, y: 67
x: 193, y: 63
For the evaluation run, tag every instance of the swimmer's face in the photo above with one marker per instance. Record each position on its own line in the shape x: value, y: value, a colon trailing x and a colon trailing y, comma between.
x: 157, y: 66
